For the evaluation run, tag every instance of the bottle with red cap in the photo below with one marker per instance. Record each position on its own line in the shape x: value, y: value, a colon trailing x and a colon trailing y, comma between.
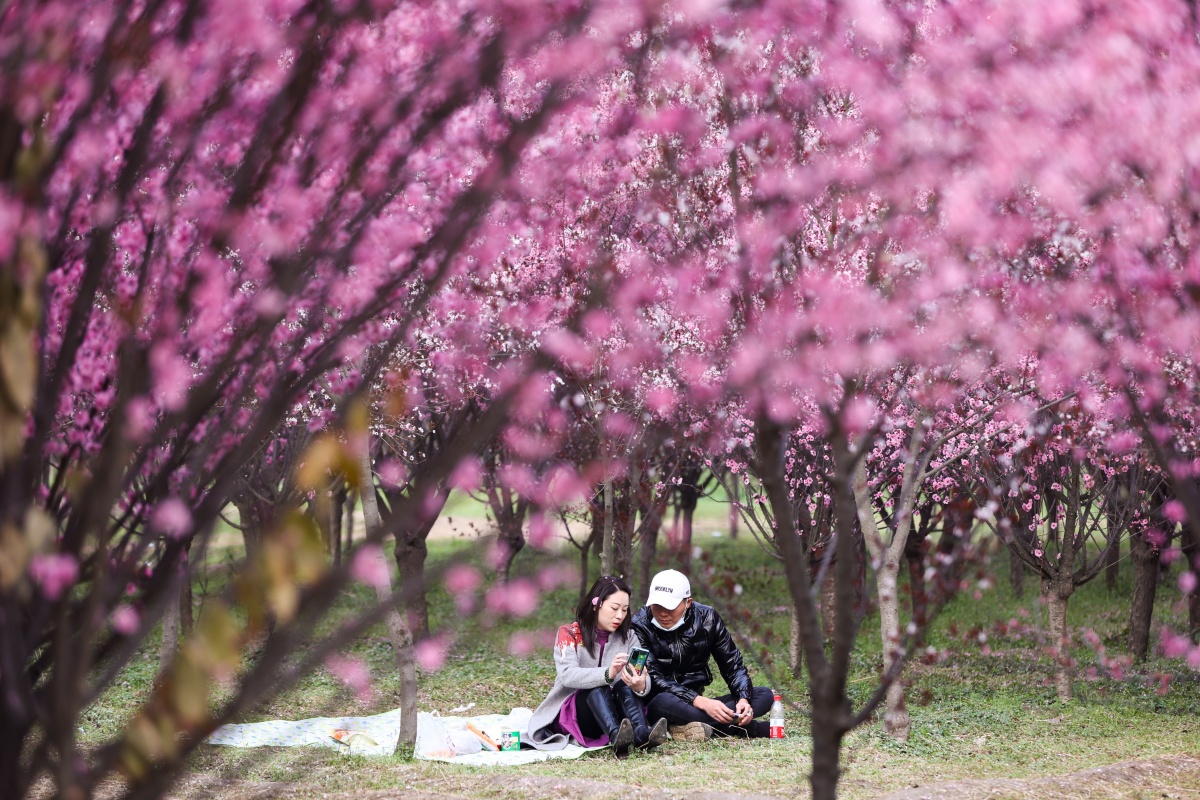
x: 777, y: 718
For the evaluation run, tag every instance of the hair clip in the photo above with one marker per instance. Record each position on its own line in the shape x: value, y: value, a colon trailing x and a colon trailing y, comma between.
x: 595, y: 601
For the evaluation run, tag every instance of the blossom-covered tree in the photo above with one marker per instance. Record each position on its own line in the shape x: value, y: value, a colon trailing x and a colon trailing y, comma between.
x: 207, y: 208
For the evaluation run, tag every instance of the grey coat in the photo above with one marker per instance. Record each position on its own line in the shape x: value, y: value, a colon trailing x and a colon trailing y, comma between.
x: 577, y: 669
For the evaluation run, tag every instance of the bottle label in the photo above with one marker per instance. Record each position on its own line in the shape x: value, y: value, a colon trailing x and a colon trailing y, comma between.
x: 776, y: 729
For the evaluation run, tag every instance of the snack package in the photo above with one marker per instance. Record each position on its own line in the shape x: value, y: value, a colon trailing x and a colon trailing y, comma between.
x: 463, y: 743
x: 354, y: 740
x: 487, y: 740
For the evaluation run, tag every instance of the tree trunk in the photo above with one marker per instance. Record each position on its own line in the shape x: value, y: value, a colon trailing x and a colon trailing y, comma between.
x: 337, y: 520
x: 347, y: 527
x: 411, y: 553
x: 796, y: 646
x: 401, y: 636
x: 177, y: 618
x: 828, y: 602
x: 606, y: 544
x: 827, y: 733
x: 510, y: 548
x: 584, y: 553
x: 685, y: 537
x: 594, y: 540
x: 1112, y: 563
x: 624, y: 516
x: 651, y: 522
x: 1145, y: 586
x: 914, y: 555
x: 1016, y: 573
x: 252, y: 523
x: 734, y: 514
x: 510, y: 518
x: 896, y: 721
x: 1060, y: 593
x: 169, y: 646
x: 1191, y: 555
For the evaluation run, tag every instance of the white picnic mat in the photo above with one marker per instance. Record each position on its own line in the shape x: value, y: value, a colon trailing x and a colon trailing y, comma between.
x: 437, y: 736
x: 383, y: 728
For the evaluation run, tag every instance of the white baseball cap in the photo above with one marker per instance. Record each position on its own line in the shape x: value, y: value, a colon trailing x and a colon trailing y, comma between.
x: 668, y: 589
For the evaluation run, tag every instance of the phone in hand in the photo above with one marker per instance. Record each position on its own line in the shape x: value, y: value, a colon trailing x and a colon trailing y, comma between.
x: 637, y: 659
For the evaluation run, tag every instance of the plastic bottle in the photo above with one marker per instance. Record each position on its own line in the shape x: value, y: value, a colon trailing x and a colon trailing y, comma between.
x: 777, y: 718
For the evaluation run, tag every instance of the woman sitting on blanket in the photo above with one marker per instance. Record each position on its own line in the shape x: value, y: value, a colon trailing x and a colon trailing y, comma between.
x: 595, y: 699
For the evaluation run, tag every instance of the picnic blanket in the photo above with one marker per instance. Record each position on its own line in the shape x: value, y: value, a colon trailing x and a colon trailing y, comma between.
x: 382, y: 729
x: 439, y: 738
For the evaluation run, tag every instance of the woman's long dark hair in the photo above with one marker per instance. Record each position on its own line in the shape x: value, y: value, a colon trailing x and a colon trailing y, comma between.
x: 589, y: 608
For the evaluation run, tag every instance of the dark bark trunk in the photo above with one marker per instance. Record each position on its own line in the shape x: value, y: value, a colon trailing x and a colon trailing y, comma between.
x: 687, y: 497
x: 624, y: 517
x: 1016, y: 573
x: 827, y: 733
x: 510, y: 519
x: 1112, y: 563
x: 1060, y: 593
x: 176, y: 625
x: 647, y: 537
x: 914, y: 554
x: 647, y: 557
x: 336, y: 517
x: 252, y: 520
x: 862, y: 598
x: 828, y: 602
x: 796, y: 646
x: 734, y: 514
x: 1191, y: 554
x: 347, y: 528
x: 411, y: 553
x: 398, y: 629
x: 685, y: 538
x: 15, y: 724
x: 592, y: 543
x: 169, y: 645
x: 1145, y: 586
x: 510, y: 547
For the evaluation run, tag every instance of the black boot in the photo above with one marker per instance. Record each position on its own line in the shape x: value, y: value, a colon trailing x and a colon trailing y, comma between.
x: 631, y: 709
x: 603, y: 705
x: 658, y: 733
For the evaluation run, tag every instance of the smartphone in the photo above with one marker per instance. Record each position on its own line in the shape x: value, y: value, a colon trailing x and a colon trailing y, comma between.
x: 637, y: 659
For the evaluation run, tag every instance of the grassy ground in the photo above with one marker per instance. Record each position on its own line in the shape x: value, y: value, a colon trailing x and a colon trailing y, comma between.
x: 982, y: 703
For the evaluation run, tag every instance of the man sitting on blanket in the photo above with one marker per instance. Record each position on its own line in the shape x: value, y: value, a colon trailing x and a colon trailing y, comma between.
x: 681, y: 634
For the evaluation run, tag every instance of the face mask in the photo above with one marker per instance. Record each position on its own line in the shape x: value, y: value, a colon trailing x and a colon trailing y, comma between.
x: 654, y: 621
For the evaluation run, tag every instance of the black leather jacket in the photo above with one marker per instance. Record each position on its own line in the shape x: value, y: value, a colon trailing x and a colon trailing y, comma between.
x: 678, y: 660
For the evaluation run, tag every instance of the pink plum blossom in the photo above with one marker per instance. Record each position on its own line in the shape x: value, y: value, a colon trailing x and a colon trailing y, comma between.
x: 173, y: 518
x: 54, y: 573
x: 431, y: 654
x: 352, y: 672
x: 124, y: 620
x: 369, y: 566
x: 1187, y: 582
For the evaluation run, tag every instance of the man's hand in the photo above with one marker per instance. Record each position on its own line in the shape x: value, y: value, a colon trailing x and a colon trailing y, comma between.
x: 715, y: 709
x: 635, y: 681
x: 744, y: 713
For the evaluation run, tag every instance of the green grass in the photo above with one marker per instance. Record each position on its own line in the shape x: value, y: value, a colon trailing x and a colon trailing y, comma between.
x: 979, y: 709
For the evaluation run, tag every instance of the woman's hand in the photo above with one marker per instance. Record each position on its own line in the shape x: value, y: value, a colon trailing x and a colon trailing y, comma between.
x: 635, y: 681
x: 618, y: 664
